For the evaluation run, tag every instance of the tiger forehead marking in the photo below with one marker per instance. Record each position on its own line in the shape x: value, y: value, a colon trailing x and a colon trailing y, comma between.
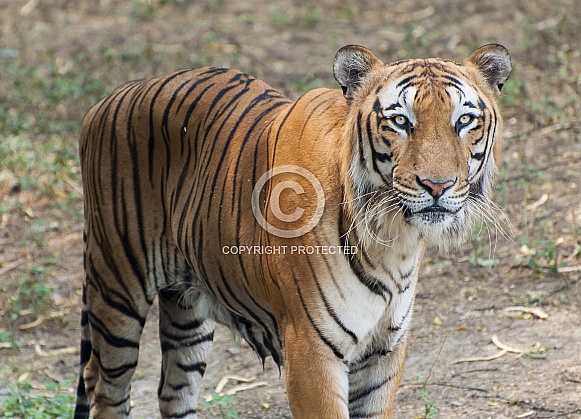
x: 449, y: 90
x: 404, y: 157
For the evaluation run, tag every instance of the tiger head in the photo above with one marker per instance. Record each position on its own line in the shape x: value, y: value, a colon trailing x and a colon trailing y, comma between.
x: 424, y: 138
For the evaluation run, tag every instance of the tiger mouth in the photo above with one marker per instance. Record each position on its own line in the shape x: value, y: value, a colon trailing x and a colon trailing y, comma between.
x: 433, y: 214
x: 433, y: 209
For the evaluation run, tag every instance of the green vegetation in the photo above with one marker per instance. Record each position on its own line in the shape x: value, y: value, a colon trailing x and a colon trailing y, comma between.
x: 33, y: 293
x: 51, y: 401
x: 430, y: 409
x: 219, y: 406
x: 543, y: 256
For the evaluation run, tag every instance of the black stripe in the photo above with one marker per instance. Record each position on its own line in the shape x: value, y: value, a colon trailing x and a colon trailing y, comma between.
x: 329, y: 307
x: 112, y: 373
x: 470, y: 104
x: 403, y: 319
x: 375, y: 154
x: 85, y: 351
x: 201, y: 78
x: 84, y: 315
x: 361, y: 363
x: 491, y: 133
x: 482, y: 104
x: 152, y: 128
x: 331, y: 270
x: 362, y: 160
x: 166, y: 346
x: 183, y: 414
x: 199, y: 367
x: 367, y: 391
x: 194, y: 324
x: 81, y: 391
x: 323, y: 338
x: 267, y: 96
x: 406, y: 81
x: 178, y: 387
x: 393, y: 106
x: 99, y: 326
x: 82, y: 411
x: 118, y: 403
x: 124, y: 305
x: 454, y: 81
x: 249, y: 312
x: 374, y: 414
x: 373, y: 284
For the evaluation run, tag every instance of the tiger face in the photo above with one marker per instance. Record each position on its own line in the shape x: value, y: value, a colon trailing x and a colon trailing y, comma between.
x: 425, y: 137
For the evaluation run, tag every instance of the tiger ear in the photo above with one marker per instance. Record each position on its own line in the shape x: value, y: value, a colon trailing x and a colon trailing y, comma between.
x: 352, y: 64
x: 493, y: 62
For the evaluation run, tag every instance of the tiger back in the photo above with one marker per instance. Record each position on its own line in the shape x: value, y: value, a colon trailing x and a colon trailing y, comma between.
x: 199, y: 186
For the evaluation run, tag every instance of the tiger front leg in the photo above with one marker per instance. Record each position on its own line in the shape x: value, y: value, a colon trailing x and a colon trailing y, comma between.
x: 316, y: 378
x: 374, y: 380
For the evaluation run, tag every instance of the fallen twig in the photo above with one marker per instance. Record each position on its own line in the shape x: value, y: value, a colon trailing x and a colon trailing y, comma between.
x: 477, y: 359
x: 541, y: 201
x: 242, y: 387
x: 507, y: 348
x: 567, y: 269
x: 12, y: 265
x: 531, y: 310
x: 71, y: 350
x: 41, y: 319
x: 415, y: 384
x: 222, y: 383
x: 531, y: 352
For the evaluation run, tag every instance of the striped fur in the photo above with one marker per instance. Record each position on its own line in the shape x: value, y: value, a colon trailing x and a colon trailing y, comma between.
x: 405, y: 156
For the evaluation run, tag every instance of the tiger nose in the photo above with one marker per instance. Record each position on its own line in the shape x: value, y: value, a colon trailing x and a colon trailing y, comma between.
x: 436, y: 189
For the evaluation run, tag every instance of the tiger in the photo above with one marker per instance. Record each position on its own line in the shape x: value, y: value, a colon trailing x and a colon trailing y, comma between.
x: 199, y: 191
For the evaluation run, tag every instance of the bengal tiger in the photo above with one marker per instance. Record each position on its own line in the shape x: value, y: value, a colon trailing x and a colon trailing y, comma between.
x: 198, y: 189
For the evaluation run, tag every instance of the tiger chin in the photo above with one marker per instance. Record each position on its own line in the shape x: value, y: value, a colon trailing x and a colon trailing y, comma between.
x: 403, y: 156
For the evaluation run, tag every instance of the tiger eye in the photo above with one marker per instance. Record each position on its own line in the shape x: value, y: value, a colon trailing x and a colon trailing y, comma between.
x: 400, y: 120
x: 465, y: 119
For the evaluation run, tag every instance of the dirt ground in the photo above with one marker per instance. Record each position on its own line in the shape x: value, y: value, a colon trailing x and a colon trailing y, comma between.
x: 462, y: 298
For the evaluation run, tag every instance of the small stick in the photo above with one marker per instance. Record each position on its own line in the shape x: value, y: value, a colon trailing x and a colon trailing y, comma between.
x: 41, y: 320
x: 12, y: 265
x: 485, y: 358
x: 532, y: 310
x: 222, y: 383
x: 71, y: 350
x: 243, y: 387
x: 501, y: 345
